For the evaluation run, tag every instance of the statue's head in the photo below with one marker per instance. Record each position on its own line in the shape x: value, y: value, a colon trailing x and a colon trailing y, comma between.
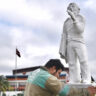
x: 74, y: 8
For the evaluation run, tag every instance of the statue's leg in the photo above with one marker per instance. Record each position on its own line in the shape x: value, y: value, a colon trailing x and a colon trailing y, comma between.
x: 74, y: 74
x: 85, y: 73
x: 82, y: 54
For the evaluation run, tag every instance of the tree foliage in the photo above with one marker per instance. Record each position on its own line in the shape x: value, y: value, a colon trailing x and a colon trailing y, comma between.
x: 4, y: 85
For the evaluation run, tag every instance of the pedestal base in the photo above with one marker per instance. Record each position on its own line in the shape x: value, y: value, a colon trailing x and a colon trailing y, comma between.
x: 81, y: 85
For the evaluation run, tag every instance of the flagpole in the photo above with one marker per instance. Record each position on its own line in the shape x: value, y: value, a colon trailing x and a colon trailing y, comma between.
x: 16, y: 72
x: 17, y: 54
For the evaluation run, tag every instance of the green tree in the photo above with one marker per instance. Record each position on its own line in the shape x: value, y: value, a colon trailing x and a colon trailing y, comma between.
x: 4, y: 85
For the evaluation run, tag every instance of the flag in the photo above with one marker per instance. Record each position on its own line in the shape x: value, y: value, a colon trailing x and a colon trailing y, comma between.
x: 18, y: 53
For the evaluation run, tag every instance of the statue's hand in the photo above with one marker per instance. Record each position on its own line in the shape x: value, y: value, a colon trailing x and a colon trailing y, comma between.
x: 71, y: 14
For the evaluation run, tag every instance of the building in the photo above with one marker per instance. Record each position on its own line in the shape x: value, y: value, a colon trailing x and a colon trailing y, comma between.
x: 17, y: 81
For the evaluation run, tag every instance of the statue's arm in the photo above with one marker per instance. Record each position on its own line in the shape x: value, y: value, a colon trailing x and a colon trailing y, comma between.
x: 79, y: 23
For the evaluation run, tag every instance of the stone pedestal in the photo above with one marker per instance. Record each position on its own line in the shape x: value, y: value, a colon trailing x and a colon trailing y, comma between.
x: 80, y: 85
x: 82, y: 89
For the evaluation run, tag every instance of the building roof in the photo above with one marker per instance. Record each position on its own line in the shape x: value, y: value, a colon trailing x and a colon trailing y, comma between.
x: 15, y: 71
x: 18, y: 76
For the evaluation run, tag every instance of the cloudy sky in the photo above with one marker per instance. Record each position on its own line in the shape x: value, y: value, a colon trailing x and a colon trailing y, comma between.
x: 35, y: 27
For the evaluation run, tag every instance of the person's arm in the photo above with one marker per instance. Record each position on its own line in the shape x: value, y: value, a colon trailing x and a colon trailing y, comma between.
x: 56, y: 87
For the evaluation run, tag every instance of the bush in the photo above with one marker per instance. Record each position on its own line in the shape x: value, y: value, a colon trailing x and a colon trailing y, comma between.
x: 3, y: 94
x: 20, y: 94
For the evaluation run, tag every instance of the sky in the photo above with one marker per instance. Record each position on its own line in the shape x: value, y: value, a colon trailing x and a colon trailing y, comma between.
x: 35, y: 28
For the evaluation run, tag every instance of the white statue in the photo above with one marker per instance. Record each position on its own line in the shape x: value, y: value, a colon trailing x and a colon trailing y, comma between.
x: 73, y: 47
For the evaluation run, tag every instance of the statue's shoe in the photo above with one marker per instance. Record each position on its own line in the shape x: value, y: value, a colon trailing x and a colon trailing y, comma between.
x: 86, y: 82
